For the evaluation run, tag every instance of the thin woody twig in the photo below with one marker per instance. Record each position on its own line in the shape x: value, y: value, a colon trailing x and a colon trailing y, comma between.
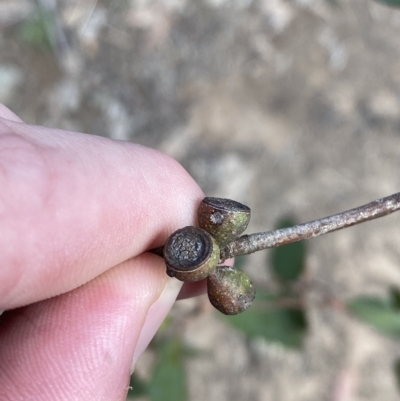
x: 247, y: 244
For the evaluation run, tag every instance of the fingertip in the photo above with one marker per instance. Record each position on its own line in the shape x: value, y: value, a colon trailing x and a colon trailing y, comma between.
x: 155, y: 316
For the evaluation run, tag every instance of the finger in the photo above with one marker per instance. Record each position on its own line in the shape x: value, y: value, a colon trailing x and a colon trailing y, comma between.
x: 80, y: 345
x: 74, y: 205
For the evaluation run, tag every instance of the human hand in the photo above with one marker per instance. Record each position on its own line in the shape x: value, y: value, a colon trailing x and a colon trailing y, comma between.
x: 77, y: 213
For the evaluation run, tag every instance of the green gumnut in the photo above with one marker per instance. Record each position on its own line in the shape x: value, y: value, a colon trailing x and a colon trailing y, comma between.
x: 224, y: 219
x: 230, y: 290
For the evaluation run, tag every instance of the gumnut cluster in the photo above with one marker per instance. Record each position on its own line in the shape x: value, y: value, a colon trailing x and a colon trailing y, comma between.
x: 193, y: 254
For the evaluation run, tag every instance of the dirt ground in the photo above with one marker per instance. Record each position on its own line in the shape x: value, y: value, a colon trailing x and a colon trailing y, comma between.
x: 284, y: 105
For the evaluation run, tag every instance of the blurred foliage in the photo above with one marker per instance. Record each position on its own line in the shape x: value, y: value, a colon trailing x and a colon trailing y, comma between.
x: 392, y: 3
x: 168, y: 382
x: 240, y: 261
x: 275, y: 323
x: 138, y: 387
x: 37, y: 29
x: 396, y: 368
x: 168, y: 379
x: 394, y: 294
x: 383, y: 314
x: 288, y: 261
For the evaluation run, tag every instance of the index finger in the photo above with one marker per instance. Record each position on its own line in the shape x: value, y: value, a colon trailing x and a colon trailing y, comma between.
x: 74, y: 205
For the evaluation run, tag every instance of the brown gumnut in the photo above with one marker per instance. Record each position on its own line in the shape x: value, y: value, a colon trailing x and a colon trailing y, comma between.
x: 191, y: 254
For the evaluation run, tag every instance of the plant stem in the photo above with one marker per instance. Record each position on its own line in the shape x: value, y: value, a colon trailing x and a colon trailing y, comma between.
x: 247, y: 244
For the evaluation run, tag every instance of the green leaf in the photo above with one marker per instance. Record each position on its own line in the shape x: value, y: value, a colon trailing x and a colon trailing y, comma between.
x: 287, y: 326
x: 240, y: 261
x: 37, y: 30
x: 138, y: 387
x: 392, y: 3
x: 396, y: 368
x: 168, y: 382
x: 378, y: 313
x: 395, y: 297
x: 288, y: 261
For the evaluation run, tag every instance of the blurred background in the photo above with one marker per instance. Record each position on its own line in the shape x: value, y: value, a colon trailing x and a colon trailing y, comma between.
x: 289, y: 106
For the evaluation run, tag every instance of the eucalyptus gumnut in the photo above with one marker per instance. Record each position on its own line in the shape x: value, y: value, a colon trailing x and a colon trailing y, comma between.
x: 191, y: 254
x: 224, y: 219
x: 230, y: 290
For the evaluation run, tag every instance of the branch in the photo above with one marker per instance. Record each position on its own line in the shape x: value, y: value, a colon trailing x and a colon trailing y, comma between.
x: 247, y: 244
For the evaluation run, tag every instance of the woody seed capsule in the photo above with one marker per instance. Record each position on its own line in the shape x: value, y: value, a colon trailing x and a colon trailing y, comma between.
x: 224, y: 219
